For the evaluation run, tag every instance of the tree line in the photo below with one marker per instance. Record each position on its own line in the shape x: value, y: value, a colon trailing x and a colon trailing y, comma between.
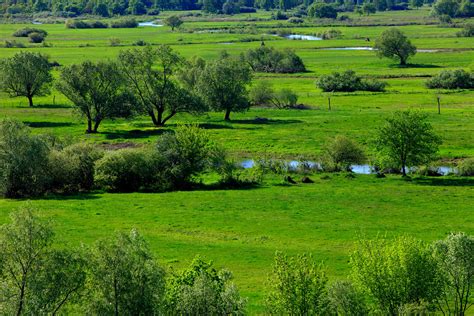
x: 119, y: 275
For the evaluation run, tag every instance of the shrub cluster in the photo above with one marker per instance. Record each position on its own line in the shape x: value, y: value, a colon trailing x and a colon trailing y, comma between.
x: 466, y: 167
x: 31, y: 165
x: 452, y: 79
x: 124, y: 23
x: 25, y: 32
x: 348, y: 81
x: 269, y: 59
x: 467, y: 31
x: 262, y: 93
x: 79, y: 24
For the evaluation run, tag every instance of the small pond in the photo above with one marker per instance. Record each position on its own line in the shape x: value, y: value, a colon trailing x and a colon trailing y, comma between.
x: 303, y: 37
x: 151, y: 23
x: 357, y: 169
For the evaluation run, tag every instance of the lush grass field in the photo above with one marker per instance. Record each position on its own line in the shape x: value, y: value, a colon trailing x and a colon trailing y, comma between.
x: 241, y: 229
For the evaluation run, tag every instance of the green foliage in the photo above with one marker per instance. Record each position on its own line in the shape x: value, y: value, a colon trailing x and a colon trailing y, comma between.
x: 158, y: 91
x: 124, y: 277
x: 322, y: 10
x: 223, y: 85
x: 345, y: 299
x: 298, y: 286
x: 186, y: 153
x: 97, y: 91
x: 393, y: 44
x: 202, y: 290
x: 348, y: 81
x: 466, y: 167
x: 130, y: 170
x: 262, y: 93
x: 407, y: 139
x: 446, y: 7
x: 467, y: 31
x: 79, y: 24
x: 124, y: 23
x: 455, y: 258
x: 368, y: 8
x: 36, y: 280
x: 26, y: 74
x: 26, y: 31
x: 396, y: 273
x: 173, y: 21
x: 452, y: 79
x: 23, y: 161
x: 340, y: 153
x: 36, y: 37
x: 71, y: 169
x: 269, y: 59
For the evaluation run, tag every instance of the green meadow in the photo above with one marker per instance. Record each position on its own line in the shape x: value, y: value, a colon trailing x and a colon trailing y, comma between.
x: 242, y: 229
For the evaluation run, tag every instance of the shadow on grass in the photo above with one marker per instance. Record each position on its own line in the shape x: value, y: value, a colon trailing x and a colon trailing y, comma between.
x: 67, y: 197
x: 215, y: 126
x: 133, y: 134
x: 415, y: 66
x: 453, y: 182
x: 52, y: 106
x: 48, y: 124
x: 265, y: 121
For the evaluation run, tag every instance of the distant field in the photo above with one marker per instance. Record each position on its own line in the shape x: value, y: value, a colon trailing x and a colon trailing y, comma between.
x: 241, y: 229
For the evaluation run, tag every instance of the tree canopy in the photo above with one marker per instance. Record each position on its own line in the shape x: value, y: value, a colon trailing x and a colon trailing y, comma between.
x: 26, y: 74
x: 393, y: 44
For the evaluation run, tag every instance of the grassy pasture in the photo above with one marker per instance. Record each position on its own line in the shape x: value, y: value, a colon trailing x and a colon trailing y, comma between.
x: 241, y: 229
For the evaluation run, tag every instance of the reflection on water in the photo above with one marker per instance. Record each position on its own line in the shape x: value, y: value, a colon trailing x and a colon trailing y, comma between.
x: 303, y: 37
x: 151, y: 23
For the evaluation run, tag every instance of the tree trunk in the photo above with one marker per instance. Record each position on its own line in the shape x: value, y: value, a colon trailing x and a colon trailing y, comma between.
x: 30, y: 100
x: 227, y: 115
x: 403, y: 61
x: 404, y: 172
x: 96, y: 126
x: 22, y: 297
x: 89, y: 126
x: 159, y: 120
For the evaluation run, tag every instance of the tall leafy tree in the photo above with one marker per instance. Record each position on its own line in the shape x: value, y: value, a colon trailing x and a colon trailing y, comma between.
x: 97, y: 91
x: 36, y: 280
x: 173, y: 21
x: 150, y: 75
x: 223, y: 85
x: 125, y: 279
x: 26, y: 74
x: 406, y: 139
x: 393, y: 44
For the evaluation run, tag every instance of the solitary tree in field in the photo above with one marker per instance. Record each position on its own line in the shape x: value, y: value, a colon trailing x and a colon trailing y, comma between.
x: 407, y: 139
x: 97, y: 91
x: 223, y: 85
x: 26, y: 74
x: 173, y: 21
x: 395, y: 45
x: 150, y: 75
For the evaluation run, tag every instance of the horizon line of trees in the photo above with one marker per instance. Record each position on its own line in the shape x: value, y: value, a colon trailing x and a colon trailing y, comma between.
x: 107, y: 8
x: 120, y: 275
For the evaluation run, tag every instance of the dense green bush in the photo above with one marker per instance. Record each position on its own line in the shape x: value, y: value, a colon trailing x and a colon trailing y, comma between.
x: 36, y: 37
x: 72, y: 169
x: 129, y: 170
x: 269, y: 59
x: 262, y: 93
x: 340, y: 153
x: 186, y: 153
x: 202, y: 290
x: 298, y: 286
x: 23, y: 161
x: 25, y: 32
x: 124, y: 23
x: 78, y: 24
x: 346, y: 299
x: 322, y: 10
x: 452, y: 79
x: 466, y: 167
x: 467, y: 31
x: 348, y: 81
